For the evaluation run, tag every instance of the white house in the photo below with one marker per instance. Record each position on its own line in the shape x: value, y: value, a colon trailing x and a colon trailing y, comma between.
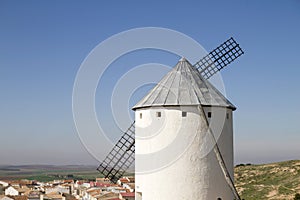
x: 51, y: 189
x: 11, y: 191
x: 91, y: 194
x: 64, y: 189
x: 4, y: 184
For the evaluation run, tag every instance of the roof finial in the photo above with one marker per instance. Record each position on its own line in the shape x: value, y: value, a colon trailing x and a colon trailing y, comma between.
x: 182, y: 59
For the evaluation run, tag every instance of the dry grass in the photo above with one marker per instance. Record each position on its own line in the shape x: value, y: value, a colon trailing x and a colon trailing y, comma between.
x: 276, y: 181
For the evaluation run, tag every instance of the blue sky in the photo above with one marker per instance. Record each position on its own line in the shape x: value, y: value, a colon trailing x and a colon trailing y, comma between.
x: 43, y: 43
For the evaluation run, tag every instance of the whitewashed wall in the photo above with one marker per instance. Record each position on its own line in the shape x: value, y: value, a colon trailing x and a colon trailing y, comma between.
x: 192, y: 172
x: 11, y: 191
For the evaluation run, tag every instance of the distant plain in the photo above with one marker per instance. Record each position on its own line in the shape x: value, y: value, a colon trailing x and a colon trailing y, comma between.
x: 48, y: 172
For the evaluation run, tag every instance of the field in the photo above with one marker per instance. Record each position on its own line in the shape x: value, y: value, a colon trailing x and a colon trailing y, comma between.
x: 49, y: 172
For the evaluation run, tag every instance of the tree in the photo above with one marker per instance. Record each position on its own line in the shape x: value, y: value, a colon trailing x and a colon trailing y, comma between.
x: 297, y: 196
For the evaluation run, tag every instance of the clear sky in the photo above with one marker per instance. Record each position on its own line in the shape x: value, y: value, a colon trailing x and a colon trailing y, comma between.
x: 43, y: 43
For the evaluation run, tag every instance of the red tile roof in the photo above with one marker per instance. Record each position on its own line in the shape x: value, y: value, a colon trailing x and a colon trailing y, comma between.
x: 127, y: 194
x: 124, y: 180
x: 19, y: 197
x: 68, y: 181
x: 97, y: 184
x: 92, y: 184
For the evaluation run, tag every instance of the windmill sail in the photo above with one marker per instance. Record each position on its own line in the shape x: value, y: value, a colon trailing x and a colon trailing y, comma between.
x: 120, y: 158
x: 218, y: 58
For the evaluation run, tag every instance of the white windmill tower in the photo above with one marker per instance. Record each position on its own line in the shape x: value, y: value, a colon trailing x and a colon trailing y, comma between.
x: 179, y: 106
x: 183, y: 107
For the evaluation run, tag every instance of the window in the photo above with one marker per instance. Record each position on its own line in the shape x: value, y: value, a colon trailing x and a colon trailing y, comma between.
x: 227, y: 115
x: 209, y: 114
x: 141, y: 115
x: 158, y: 114
x: 184, y: 114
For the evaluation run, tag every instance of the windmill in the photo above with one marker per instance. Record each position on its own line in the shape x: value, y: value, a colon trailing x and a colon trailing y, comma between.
x: 202, y: 97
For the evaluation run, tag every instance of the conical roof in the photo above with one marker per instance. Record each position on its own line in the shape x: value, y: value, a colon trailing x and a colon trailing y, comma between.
x: 184, y: 85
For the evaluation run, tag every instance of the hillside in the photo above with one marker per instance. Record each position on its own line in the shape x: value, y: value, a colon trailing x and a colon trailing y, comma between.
x: 276, y: 181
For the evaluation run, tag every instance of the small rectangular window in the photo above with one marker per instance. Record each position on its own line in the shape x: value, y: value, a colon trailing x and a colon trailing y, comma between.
x: 158, y: 114
x: 227, y: 115
x: 141, y: 115
x: 184, y: 114
x: 209, y: 114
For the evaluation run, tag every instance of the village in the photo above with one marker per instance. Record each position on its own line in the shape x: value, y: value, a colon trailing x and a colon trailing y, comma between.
x: 99, y: 189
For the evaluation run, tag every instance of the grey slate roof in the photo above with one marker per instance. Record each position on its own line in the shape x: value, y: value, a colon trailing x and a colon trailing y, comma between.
x: 184, y: 85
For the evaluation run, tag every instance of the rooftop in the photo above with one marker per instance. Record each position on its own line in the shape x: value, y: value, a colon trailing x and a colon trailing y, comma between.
x: 127, y: 194
x: 184, y: 85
